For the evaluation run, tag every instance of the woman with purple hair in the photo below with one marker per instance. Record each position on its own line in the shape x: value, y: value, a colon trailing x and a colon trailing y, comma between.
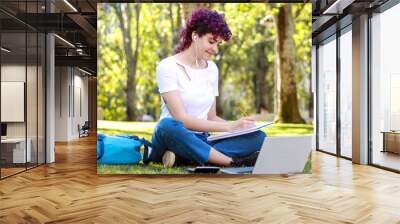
x: 188, y: 85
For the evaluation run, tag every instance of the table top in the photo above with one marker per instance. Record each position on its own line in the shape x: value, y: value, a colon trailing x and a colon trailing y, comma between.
x: 13, y: 140
x: 391, y: 132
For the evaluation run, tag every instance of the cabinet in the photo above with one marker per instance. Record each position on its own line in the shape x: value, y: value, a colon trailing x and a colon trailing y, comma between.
x: 391, y: 141
x: 13, y: 150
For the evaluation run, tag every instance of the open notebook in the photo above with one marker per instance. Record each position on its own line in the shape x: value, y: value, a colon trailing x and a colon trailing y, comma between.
x: 237, y: 133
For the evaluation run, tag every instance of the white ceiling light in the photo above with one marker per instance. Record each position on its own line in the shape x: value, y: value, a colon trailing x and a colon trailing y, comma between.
x: 70, y: 5
x: 338, y: 6
x: 5, y: 50
x: 65, y: 41
x: 84, y: 71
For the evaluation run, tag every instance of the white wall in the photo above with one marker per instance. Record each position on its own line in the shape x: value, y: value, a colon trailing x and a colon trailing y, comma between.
x: 61, y: 103
x: 80, y: 115
x: 16, y: 73
x: 71, y: 94
x: 12, y: 73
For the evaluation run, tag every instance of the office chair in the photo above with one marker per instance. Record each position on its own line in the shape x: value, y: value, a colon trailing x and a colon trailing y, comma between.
x: 84, y: 130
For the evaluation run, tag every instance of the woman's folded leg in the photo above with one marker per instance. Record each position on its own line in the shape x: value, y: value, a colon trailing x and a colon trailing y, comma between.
x: 240, y: 146
x: 170, y: 134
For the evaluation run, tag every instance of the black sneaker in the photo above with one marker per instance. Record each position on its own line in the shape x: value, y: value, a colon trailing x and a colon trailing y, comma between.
x: 146, y: 155
x: 249, y: 160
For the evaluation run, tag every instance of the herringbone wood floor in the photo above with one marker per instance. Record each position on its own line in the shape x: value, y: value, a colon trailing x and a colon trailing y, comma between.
x: 70, y: 191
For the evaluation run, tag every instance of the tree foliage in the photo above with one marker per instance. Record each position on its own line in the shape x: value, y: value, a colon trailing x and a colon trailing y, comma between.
x: 247, y: 64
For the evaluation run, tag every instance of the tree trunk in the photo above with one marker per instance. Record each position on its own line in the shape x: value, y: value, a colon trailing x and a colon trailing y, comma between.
x: 222, y: 74
x: 288, y: 110
x: 262, y: 92
x: 131, y: 55
x: 175, y: 26
x: 219, y: 104
x: 263, y: 84
x: 259, y: 80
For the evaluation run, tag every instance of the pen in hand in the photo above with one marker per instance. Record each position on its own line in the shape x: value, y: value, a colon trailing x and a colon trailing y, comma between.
x: 243, y: 112
x: 245, y: 116
x: 244, y: 122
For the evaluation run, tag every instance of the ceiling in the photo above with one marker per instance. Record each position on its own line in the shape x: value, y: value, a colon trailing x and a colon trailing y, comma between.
x: 328, y: 16
x: 73, y: 21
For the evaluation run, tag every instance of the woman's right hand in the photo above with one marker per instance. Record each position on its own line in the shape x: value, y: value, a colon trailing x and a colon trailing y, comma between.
x: 242, y: 123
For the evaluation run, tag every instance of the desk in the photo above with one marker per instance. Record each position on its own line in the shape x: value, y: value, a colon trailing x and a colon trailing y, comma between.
x: 391, y: 141
x: 17, y: 150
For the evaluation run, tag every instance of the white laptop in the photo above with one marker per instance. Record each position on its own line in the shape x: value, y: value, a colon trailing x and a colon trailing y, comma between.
x: 279, y: 155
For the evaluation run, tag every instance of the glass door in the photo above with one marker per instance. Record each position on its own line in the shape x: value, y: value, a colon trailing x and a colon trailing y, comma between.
x: 327, y: 95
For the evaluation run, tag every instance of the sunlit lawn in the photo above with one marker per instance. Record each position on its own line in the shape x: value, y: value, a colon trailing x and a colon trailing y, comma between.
x: 145, y: 129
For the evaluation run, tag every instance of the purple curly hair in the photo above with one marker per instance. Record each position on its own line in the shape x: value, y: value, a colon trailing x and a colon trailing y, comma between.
x: 203, y: 21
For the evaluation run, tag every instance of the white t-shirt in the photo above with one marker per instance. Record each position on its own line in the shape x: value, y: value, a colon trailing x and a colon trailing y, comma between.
x: 198, y: 94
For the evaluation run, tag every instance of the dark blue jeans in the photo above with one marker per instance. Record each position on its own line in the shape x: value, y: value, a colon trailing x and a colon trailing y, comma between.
x: 170, y: 134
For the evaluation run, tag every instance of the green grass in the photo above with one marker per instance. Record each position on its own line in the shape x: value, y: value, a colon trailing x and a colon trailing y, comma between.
x: 152, y: 168
x: 145, y: 129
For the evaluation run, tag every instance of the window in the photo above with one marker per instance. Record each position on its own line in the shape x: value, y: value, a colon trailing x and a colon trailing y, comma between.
x: 385, y: 88
x: 22, y: 69
x: 346, y: 92
x: 327, y: 95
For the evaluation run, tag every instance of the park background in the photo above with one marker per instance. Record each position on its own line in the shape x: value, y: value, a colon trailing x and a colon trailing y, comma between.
x: 264, y: 70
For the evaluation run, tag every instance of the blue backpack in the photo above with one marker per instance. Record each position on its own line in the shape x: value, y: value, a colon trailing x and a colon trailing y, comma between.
x: 120, y: 149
